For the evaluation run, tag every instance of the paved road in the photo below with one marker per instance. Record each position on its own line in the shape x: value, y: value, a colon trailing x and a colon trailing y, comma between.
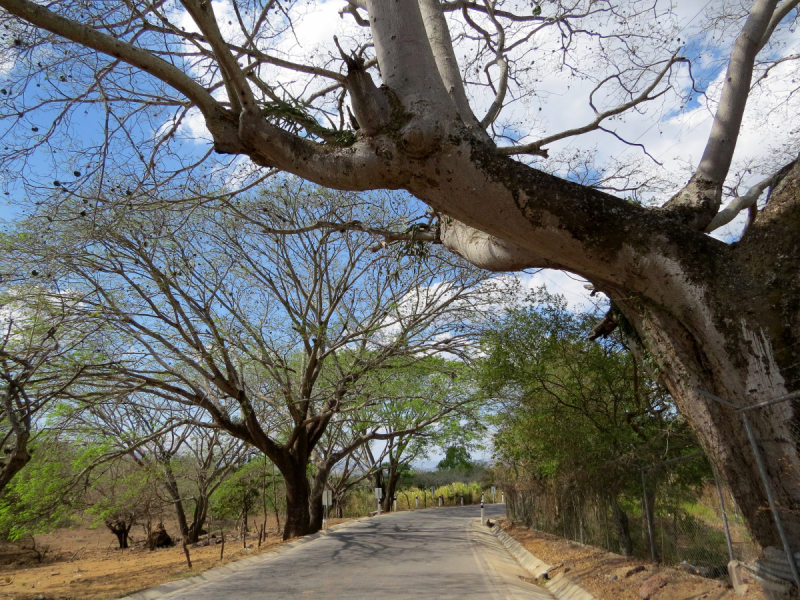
x: 437, y: 553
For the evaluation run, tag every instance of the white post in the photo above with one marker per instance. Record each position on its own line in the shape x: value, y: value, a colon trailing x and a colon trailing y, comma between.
x: 462, y: 500
x: 502, y: 497
x: 416, y: 501
x: 483, y: 522
x: 440, y: 500
x: 394, y: 504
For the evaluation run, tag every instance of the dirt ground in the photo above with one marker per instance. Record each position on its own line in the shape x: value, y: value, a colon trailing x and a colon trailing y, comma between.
x: 603, y: 574
x: 83, y: 563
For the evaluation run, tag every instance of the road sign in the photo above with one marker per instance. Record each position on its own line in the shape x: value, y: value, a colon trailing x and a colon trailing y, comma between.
x: 327, y: 498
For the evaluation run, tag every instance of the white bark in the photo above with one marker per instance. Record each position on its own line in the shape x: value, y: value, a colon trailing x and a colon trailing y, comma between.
x: 739, y: 204
x: 445, y: 57
x: 488, y: 252
x: 409, y: 68
x: 721, y: 143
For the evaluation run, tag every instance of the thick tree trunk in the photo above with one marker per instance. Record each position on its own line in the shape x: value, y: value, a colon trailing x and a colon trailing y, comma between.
x: 623, y: 528
x: 316, y: 510
x: 174, y: 492
x: 122, y: 538
x: 194, y: 530
x: 741, y: 342
x: 298, y: 520
x: 120, y: 528
x: 293, y: 465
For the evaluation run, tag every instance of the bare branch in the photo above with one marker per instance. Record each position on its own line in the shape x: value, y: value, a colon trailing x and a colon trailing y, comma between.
x: 697, y: 203
x: 82, y: 34
x: 778, y: 16
x: 537, y: 147
x: 747, y: 201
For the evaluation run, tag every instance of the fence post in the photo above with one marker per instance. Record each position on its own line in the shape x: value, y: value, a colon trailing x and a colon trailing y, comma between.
x: 724, y: 517
x: 778, y: 523
x: 761, y: 470
x: 647, y: 518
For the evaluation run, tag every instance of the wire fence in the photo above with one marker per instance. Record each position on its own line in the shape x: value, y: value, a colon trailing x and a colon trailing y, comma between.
x: 666, y: 524
x: 698, y: 529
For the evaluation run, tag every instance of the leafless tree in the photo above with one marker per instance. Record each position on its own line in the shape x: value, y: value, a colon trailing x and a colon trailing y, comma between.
x: 715, y: 316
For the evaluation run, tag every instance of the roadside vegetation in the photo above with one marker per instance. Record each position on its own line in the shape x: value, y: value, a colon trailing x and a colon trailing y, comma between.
x: 188, y: 379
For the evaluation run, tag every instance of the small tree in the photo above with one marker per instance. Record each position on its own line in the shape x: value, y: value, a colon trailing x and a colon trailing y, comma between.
x: 240, y: 494
x: 191, y: 461
x: 123, y: 495
x: 456, y: 457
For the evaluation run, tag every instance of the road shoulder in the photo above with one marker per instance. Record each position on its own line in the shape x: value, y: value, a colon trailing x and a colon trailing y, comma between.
x: 507, y: 579
x: 165, y: 589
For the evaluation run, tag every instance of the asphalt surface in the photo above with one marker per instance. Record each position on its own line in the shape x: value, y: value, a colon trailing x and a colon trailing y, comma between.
x: 439, y: 553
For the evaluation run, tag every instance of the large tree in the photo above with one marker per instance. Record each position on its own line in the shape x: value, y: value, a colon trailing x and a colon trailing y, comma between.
x: 716, y: 316
x: 406, y: 411
x: 543, y: 372
x: 271, y: 336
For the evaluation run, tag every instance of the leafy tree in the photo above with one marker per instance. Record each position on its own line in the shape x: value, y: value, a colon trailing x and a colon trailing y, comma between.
x: 268, y: 338
x: 579, y: 413
x: 46, y: 349
x: 123, y: 495
x: 44, y: 495
x: 239, y: 495
x: 456, y: 457
x: 406, y: 411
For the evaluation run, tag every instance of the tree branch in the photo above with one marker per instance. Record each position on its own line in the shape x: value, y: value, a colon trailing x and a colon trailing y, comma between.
x: 747, y: 201
x: 84, y: 35
x: 778, y: 16
x: 501, y: 61
x: 239, y: 92
x: 537, y: 147
x: 489, y: 252
x: 445, y: 57
x: 697, y: 203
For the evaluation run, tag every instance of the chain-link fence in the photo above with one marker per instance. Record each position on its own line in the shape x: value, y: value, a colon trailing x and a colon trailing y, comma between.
x: 667, y: 523
x: 697, y: 528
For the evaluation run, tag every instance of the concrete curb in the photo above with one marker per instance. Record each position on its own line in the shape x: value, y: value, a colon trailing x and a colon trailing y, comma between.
x: 219, y: 572
x: 561, y: 586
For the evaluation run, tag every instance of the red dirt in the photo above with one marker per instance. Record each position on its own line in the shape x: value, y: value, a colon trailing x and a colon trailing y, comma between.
x: 593, y: 569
